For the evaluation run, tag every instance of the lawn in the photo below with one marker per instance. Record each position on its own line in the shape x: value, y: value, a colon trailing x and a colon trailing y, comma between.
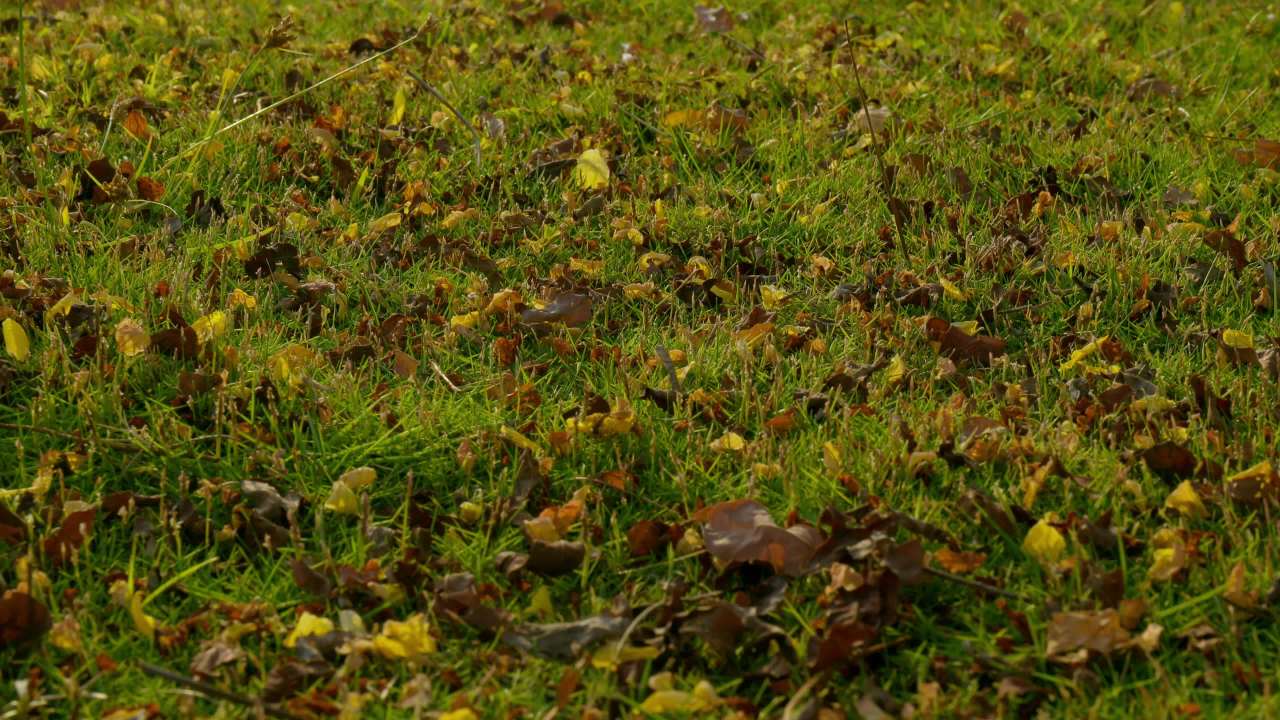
x: 497, y: 359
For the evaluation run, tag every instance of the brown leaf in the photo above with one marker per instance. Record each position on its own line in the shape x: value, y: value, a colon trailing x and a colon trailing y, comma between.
x: 568, y: 309
x: 181, y: 342
x: 1072, y: 632
x: 75, y: 529
x: 213, y: 656
x: 741, y: 531
x: 1229, y: 246
x: 956, y: 343
x: 566, y: 641
x: 1264, y: 153
x: 555, y: 558
x: 308, y: 579
x: 713, y: 20
x: 23, y: 620
x: 647, y: 537
x: 135, y: 123
x: 1170, y: 460
x: 150, y: 188
x: 959, y: 562
x: 13, y: 529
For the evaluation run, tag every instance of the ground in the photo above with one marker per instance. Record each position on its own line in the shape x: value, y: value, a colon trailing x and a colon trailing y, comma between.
x: 507, y: 359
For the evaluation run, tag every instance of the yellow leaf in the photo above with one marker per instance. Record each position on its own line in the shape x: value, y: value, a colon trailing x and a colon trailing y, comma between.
x: 589, y: 268
x: 968, y: 327
x: 384, y: 223
x: 1257, y: 471
x: 405, y: 640
x: 359, y: 478
x: 397, y: 107
x: 210, y: 327
x: 143, y: 622
x: 1166, y: 564
x: 1237, y: 340
x: 652, y: 261
x: 702, y: 699
x: 772, y: 297
x: 240, y: 298
x: 307, y: 626
x: 729, y: 442
x: 342, y: 499
x: 950, y: 290
x: 504, y: 301
x: 542, y: 529
x: 540, y: 604
x: 15, y: 340
x: 289, y: 365
x: 896, y: 371
x: 1186, y: 500
x: 641, y: 291
x: 610, y: 655
x: 592, y: 171
x: 831, y: 459
x: 131, y: 338
x: 515, y: 437
x: 460, y: 714
x: 1083, y: 354
x: 1044, y: 543
x: 467, y: 320
x: 619, y: 421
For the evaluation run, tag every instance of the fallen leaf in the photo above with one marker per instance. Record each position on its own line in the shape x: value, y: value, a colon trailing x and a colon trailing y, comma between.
x: 1186, y: 500
x: 592, y: 170
x: 15, y: 340
x: 1044, y: 543
x: 741, y: 531
x: 308, y: 625
x: 131, y: 338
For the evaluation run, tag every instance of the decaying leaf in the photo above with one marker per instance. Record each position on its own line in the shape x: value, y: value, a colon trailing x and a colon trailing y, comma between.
x: 742, y: 531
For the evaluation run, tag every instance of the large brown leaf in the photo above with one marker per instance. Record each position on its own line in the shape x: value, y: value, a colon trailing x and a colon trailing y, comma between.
x: 741, y: 531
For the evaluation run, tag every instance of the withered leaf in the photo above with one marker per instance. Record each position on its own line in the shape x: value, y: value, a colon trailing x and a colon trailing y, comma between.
x: 181, y: 342
x: 555, y: 558
x: 647, y: 537
x: 23, y: 620
x: 1071, y: 632
x: 1264, y: 153
x: 13, y: 529
x: 713, y: 19
x: 70, y: 535
x: 956, y: 343
x: 283, y: 256
x: 565, y: 641
x: 568, y: 309
x: 309, y: 580
x: 741, y: 531
x: 1170, y: 460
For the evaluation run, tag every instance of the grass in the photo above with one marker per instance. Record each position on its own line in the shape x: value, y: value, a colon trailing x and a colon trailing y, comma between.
x: 1065, y: 103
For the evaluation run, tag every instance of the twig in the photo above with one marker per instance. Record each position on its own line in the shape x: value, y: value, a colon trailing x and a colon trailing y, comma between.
x: 436, y: 93
x: 211, y: 691
x: 866, y: 108
x: 976, y: 584
x: 108, y: 442
x: 289, y: 98
x: 665, y: 357
x: 444, y: 377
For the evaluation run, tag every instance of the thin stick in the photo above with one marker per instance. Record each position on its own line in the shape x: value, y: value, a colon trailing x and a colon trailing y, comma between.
x: 289, y: 98
x: 113, y: 444
x: 866, y: 109
x: 431, y: 89
x: 665, y: 357
x: 211, y: 691
x: 443, y: 377
x: 976, y: 584
x: 22, y: 74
